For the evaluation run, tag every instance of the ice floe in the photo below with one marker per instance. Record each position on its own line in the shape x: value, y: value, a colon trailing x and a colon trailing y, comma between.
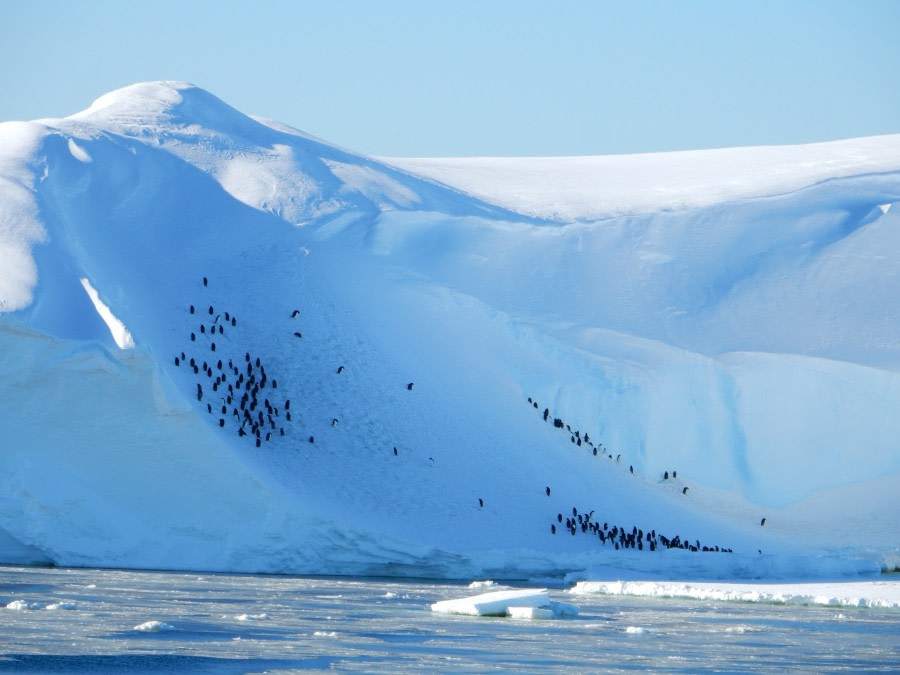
x: 529, y: 603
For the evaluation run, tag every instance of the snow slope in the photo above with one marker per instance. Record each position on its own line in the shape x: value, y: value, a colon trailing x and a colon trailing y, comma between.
x: 399, y: 340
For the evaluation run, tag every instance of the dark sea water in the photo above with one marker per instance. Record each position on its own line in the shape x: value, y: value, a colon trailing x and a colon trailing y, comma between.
x: 218, y: 623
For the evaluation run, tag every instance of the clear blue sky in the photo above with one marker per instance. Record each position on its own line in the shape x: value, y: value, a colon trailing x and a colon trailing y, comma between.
x: 503, y: 77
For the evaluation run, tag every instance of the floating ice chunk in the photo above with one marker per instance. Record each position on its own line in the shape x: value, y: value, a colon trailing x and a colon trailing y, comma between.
x: 487, y: 583
x: 635, y: 630
x: 154, y: 627
x: 22, y: 605
x: 325, y: 633
x: 530, y: 613
x: 63, y: 604
x: 884, y: 208
x: 529, y: 603
x: 494, y: 604
x: 252, y: 617
x: 390, y: 594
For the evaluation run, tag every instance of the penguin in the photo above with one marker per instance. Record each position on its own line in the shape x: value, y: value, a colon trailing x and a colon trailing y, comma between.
x: 480, y: 503
x: 192, y: 309
x: 258, y: 443
x: 595, y: 452
x: 340, y: 370
x: 395, y: 451
x: 558, y: 517
x: 205, y: 281
x: 666, y: 476
x: 233, y: 321
x: 227, y: 317
x: 299, y: 335
x: 221, y: 422
x: 193, y: 338
x: 221, y: 330
x: 684, y: 491
x: 312, y: 439
x: 274, y: 383
x: 409, y: 386
x: 213, y: 346
x: 210, y: 310
x: 548, y: 491
x: 674, y: 474
x: 631, y: 468
x: 287, y: 404
x: 762, y: 522
x: 282, y: 431
x: 552, y: 529
x: 203, y: 329
x: 177, y: 362
x: 295, y: 313
x: 334, y: 421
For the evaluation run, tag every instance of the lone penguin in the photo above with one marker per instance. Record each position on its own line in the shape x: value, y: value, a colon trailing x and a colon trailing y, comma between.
x: 409, y: 386
x: 295, y: 313
x: 684, y: 491
x: 548, y: 491
x: 340, y: 370
x: 205, y: 281
x: 296, y: 334
x: 395, y: 451
x: 762, y: 522
x: 480, y: 503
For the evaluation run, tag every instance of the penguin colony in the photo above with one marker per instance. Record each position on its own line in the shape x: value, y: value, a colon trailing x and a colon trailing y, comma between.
x: 237, y: 389
x: 622, y: 538
x: 618, y: 536
x: 239, y: 392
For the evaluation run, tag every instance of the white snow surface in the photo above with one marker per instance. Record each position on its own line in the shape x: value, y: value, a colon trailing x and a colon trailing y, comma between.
x: 883, y: 594
x: 729, y: 315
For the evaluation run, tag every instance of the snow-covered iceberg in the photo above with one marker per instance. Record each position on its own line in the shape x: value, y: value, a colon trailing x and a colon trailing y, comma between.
x: 295, y: 358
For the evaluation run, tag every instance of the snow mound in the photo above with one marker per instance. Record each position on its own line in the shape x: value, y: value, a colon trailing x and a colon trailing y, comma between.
x: 20, y: 605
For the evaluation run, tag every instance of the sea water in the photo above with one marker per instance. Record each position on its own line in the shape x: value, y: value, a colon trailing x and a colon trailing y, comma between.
x: 87, y: 620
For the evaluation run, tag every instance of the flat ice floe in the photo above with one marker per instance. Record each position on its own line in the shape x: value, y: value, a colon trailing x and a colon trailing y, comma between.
x: 881, y: 594
x: 529, y: 603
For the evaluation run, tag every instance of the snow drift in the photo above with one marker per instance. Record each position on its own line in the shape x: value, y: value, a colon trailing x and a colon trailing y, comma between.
x: 294, y: 358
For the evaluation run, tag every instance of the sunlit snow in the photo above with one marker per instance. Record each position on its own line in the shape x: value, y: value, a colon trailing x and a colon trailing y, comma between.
x: 294, y: 358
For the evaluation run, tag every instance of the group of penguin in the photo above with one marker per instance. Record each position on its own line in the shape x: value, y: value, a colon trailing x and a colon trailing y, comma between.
x: 622, y: 538
x: 238, y: 388
x: 617, y: 536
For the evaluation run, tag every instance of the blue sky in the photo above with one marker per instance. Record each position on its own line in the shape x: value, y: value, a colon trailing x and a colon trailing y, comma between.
x: 464, y: 78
